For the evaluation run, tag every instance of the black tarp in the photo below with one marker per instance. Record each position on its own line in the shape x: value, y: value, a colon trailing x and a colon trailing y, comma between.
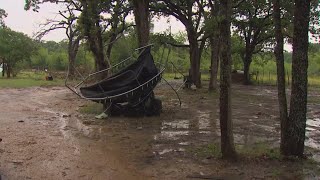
x: 129, y: 78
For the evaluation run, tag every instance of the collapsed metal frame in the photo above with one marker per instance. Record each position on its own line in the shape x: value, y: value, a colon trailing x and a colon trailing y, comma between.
x: 109, y: 99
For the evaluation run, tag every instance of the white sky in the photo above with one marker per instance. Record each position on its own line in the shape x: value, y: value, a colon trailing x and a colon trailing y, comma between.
x: 28, y: 21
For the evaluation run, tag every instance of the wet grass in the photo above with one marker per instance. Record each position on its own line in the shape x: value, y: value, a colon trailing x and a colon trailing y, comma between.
x: 314, y: 100
x: 272, y: 80
x: 206, y: 151
x: 259, y: 150
x: 91, y: 108
x: 168, y: 76
x: 29, y: 79
x: 24, y: 83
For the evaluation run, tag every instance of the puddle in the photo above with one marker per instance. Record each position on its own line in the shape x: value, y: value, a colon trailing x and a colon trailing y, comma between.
x: 170, y: 135
x: 165, y: 151
x: 247, y: 139
x: 177, y: 124
x: 184, y: 143
x: 204, y: 119
x: 314, y: 122
x: 312, y: 133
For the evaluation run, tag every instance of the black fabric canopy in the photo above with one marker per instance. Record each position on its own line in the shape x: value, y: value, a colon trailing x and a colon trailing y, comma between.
x: 129, y: 78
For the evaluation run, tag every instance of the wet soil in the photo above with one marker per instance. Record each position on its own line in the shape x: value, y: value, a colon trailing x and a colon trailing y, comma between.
x: 44, y: 136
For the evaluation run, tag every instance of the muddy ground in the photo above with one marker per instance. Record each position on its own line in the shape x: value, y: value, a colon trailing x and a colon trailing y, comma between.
x: 45, y: 134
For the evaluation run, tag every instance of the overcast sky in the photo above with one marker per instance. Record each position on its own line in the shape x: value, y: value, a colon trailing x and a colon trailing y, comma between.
x: 28, y: 21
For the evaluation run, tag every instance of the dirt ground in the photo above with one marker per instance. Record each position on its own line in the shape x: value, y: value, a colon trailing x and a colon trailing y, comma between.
x: 44, y: 136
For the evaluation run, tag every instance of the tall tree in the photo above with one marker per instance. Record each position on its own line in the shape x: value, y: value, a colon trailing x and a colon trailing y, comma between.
x: 293, y: 144
x: 90, y: 21
x: 115, y: 24
x: 227, y: 143
x: 190, y: 14
x: 278, y: 51
x: 253, y: 22
x: 3, y: 14
x: 142, y: 19
x: 212, y: 29
x: 15, y: 47
x: 68, y: 23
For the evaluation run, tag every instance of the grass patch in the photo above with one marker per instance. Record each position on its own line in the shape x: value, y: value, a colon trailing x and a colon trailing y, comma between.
x: 314, y: 100
x: 204, y: 77
x: 24, y: 83
x: 91, y: 108
x: 259, y: 150
x: 272, y: 80
x: 29, y: 79
x: 210, y: 150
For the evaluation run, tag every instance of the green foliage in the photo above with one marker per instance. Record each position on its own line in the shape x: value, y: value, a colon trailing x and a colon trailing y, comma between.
x: 3, y: 14
x: 39, y: 59
x: 15, y: 47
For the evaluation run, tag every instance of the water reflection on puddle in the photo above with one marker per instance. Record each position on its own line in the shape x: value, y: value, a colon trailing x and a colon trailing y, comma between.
x: 177, y: 124
x: 178, y: 130
x: 165, y: 151
x: 170, y: 135
x: 204, y: 119
x: 312, y: 136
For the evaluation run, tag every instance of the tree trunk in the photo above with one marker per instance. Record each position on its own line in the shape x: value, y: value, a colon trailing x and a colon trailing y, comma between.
x: 294, y: 145
x: 110, y: 45
x: 73, y: 48
x: 215, y: 49
x: 246, y: 68
x: 4, y: 66
x: 92, y: 31
x: 227, y: 144
x: 141, y: 15
x: 71, y: 65
x: 278, y: 51
x: 8, y: 71
x: 195, y: 56
x: 71, y: 57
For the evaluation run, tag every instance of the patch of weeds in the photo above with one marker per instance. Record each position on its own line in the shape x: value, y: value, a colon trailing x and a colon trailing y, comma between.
x: 91, y: 108
x: 312, y: 165
x: 313, y: 100
x: 24, y: 83
x: 276, y: 172
x: 206, y: 151
x: 214, y: 94
x: 259, y: 150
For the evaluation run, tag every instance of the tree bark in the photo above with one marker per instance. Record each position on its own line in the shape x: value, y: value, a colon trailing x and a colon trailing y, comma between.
x: 294, y: 145
x: 227, y: 144
x: 278, y: 51
x: 73, y: 48
x: 113, y: 37
x: 92, y: 31
x: 246, y: 67
x: 8, y: 70
x: 195, y: 56
x: 141, y: 15
x: 215, y: 51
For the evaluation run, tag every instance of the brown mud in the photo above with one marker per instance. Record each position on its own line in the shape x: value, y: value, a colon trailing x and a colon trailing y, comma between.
x: 44, y: 136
